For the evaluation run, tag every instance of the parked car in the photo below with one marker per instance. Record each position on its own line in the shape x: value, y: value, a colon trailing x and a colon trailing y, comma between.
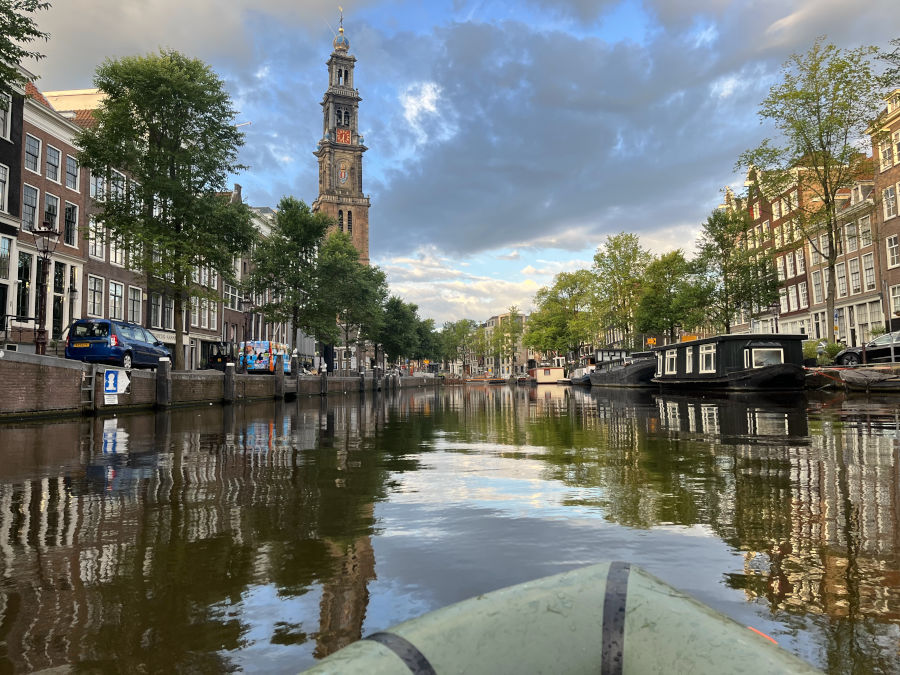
x: 114, y: 342
x: 876, y: 351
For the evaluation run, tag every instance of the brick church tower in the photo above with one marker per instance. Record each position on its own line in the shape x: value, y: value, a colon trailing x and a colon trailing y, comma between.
x: 341, y: 149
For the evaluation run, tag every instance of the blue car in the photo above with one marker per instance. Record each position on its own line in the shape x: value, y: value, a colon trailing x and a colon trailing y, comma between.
x: 113, y: 342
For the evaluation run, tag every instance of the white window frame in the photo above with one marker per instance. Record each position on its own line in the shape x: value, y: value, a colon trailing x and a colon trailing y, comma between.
x: 840, y: 272
x: 708, y: 353
x: 892, y: 243
x: 55, y: 223
x: 689, y: 360
x: 117, y: 310
x: 59, y: 156
x: 91, y: 291
x: 96, y: 240
x: 800, y: 255
x: 140, y: 304
x: 818, y: 293
x: 889, y: 199
x: 757, y: 357
x: 803, y: 290
x: 4, y: 189
x: 29, y: 226
x: 116, y: 253
x: 77, y: 187
x: 671, y: 361
x: 854, y: 262
x: 63, y: 231
x: 865, y: 231
x: 868, y: 257
x: 37, y: 168
x: 6, y: 120
x: 213, y: 315
x: 156, y: 310
x: 792, y: 298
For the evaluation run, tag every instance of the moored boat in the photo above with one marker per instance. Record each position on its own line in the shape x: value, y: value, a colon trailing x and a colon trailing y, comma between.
x: 749, y: 362
x: 607, y: 618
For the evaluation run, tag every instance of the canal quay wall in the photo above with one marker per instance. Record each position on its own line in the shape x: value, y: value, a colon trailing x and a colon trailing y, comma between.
x: 34, y: 386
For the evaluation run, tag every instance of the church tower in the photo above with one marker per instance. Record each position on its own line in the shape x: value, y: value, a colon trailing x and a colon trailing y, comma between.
x: 341, y: 149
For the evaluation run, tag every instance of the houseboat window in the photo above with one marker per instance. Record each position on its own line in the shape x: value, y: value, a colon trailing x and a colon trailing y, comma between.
x: 659, y: 362
x: 767, y: 357
x: 689, y: 360
x: 670, y: 362
x: 707, y: 358
x: 546, y: 371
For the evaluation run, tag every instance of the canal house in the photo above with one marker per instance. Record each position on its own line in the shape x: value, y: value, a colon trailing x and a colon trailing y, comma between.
x: 758, y: 361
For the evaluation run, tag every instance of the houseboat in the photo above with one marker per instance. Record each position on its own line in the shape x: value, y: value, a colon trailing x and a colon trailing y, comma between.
x: 628, y: 370
x: 547, y: 374
x: 754, y: 361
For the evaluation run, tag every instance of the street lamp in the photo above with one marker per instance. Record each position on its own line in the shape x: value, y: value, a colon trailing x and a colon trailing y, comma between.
x: 45, y: 239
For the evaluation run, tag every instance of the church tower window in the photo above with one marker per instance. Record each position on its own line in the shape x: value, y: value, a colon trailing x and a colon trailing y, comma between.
x: 349, y: 222
x: 341, y: 220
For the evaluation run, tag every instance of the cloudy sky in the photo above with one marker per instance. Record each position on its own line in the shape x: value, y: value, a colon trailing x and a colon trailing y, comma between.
x: 506, y: 139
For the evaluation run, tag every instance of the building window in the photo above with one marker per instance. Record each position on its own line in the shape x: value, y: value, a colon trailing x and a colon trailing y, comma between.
x: 707, y: 358
x: 783, y: 300
x: 855, y: 281
x: 792, y: 298
x: 889, y: 197
x: 70, y: 234
x: 96, y: 248
x: 51, y: 211
x: 814, y: 257
x: 779, y: 267
x: 801, y: 261
x: 213, y: 315
x: 168, y: 313
x: 23, y: 291
x: 231, y: 296
x: 195, y: 311
x: 840, y: 271
x: 671, y: 361
x: 116, y: 185
x: 29, y: 207
x: 204, y: 313
x: 52, y: 164
x: 116, y: 252
x: 134, y: 304
x: 32, y: 153
x: 5, y: 246
x: 97, y: 187
x: 893, y: 250
x: 865, y: 232
x: 4, y: 187
x: 887, y: 155
x: 95, y: 296
x: 804, y: 294
x: 155, y: 310
x: 116, y: 300
x: 71, y: 173
x: 5, y: 115
x: 341, y: 220
x: 349, y: 222
x: 895, y: 299
x: 789, y: 261
x: 689, y: 360
x: 851, y: 237
x: 868, y: 261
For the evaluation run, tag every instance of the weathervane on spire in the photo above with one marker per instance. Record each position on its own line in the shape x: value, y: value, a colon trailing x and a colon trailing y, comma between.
x: 341, y: 10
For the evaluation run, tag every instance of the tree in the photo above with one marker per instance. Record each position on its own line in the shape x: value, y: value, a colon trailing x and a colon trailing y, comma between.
x: 399, y: 334
x: 17, y: 28
x: 457, y: 337
x: 353, y: 292
x: 564, y: 318
x: 670, y: 296
x: 890, y: 78
x: 508, y: 333
x: 285, y: 269
x: 731, y: 278
x: 168, y: 123
x: 822, y: 107
x: 428, y: 344
x: 619, y: 266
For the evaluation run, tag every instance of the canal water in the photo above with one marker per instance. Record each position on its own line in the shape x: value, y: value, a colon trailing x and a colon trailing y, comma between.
x: 265, y: 536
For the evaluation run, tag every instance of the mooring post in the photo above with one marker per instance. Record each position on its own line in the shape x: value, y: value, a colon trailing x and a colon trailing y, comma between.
x: 323, y: 383
x: 279, y: 376
x: 228, y: 385
x: 164, y: 383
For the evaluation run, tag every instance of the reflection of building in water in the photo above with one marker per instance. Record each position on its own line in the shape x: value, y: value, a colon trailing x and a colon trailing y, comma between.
x: 816, y: 510
x: 133, y: 538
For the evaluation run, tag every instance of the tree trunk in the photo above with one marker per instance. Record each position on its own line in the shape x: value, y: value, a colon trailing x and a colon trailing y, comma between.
x: 178, y: 364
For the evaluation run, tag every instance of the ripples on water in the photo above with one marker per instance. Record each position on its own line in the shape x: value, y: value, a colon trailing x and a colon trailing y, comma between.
x: 265, y: 536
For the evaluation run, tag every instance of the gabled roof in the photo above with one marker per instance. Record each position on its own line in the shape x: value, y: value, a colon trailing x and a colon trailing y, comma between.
x: 34, y: 92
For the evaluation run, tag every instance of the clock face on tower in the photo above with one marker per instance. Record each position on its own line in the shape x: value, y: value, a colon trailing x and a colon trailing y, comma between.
x: 343, y: 136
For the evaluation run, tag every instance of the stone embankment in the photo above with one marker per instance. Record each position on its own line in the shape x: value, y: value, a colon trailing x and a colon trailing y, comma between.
x: 45, y: 386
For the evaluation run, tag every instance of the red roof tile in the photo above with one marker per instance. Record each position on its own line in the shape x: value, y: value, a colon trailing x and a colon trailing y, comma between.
x: 34, y: 93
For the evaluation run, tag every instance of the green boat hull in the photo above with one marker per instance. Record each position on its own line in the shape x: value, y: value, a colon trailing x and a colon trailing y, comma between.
x: 608, y: 618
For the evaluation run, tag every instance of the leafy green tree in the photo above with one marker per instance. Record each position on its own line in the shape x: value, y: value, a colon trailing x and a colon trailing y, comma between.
x: 428, y: 343
x: 619, y: 266
x: 17, y: 28
x: 457, y: 337
x: 399, y: 334
x: 167, y: 121
x: 822, y: 107
x: 731, y: 279
x: 354, y: 292
x: 285, y: 263
x: 890, y: 78
x: 671, y: 297
x: 565, y: 317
